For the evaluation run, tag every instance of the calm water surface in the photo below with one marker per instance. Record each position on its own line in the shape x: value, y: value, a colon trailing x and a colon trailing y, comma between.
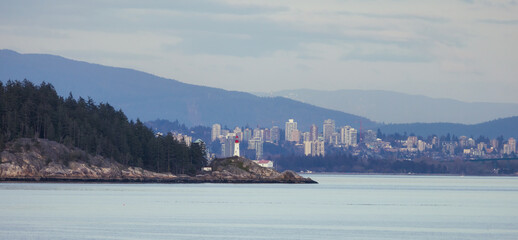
x: 340, y: 207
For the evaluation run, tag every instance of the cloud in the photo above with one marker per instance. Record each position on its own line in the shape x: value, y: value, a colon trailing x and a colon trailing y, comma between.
x: 399, y: 16
x: 250, y: 45
x: 387, y: 56
x: 499, y: 22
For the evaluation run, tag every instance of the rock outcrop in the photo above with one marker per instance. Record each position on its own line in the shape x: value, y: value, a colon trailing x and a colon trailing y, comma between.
x: 239, y: 169
x: 40, y: 159
x: 44, y: 160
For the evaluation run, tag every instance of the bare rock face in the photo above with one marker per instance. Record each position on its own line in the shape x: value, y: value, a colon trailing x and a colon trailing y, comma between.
x: 36, y: 159
x: 236, y: 169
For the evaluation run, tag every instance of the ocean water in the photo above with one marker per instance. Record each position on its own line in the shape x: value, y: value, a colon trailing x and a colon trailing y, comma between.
x: 340, y: 207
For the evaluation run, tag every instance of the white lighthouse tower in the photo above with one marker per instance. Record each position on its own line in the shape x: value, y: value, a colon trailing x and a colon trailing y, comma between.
x: 236, y: 147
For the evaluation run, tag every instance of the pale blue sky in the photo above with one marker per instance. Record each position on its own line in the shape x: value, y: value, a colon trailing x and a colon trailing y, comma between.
x: 463, y: 50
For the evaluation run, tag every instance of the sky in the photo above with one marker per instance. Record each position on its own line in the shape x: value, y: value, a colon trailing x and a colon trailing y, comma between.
x: 460, y: 49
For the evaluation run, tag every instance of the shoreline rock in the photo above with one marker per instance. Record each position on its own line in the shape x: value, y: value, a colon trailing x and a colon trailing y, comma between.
x: 40, y: 160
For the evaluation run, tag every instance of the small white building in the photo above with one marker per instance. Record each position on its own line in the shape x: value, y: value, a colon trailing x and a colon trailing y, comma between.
x: 264, y: 163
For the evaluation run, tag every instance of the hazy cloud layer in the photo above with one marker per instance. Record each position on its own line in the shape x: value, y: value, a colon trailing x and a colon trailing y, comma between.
x: 464, y: 50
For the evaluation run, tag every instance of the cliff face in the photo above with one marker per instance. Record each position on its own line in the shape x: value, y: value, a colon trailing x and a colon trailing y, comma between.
x: 44, y: 160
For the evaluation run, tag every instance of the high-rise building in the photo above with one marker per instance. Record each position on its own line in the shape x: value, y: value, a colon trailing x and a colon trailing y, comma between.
x: 329, y: 129
x: 344, y: 134
x: 313, y: 131
x: 267, y: 135
x: 512, y: 145
x: 228, y: 145
x: 306, y: 136
x: 216, y: 132
x: 257, y: 133
x: 259, y: 150
x: 353, y: 137
x: 247, y: 134
x: 256, y: 144
x: 275, y: 134
x: 291, y: 126
x: 295, y: 136
x: 318, y: 148
x: 314, y: 148
x: 335, y: 139
x: 307, y: 148
x: 348, y: 136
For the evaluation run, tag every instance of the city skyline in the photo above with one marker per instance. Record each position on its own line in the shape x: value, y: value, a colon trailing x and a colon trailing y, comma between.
x: 365, y: 142
x: 462, y: 50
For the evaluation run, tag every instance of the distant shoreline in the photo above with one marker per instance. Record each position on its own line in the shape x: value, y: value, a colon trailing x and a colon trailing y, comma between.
x: 406, y: 174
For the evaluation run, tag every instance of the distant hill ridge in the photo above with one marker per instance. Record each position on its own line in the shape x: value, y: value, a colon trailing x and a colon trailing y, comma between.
x: 506, y: 127
x: 149, y: 97
x: 394, y: 107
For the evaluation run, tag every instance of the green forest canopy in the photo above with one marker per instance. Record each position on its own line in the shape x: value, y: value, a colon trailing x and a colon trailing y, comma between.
x: 31, y: 111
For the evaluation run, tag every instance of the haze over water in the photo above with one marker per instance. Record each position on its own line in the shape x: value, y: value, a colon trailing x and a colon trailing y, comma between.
x: 340, y: 207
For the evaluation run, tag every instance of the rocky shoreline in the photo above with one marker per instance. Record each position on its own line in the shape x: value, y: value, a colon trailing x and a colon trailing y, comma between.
x: 178, y: 180
x: 40, y: 160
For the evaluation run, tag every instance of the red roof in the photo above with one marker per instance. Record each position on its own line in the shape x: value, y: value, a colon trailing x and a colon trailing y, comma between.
x: 263, y: 161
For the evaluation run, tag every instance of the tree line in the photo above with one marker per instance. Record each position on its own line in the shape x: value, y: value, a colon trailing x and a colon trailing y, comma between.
x: 37, y: 111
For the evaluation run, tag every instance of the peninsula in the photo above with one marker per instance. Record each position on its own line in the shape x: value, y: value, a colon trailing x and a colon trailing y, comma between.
x: 42, y: 160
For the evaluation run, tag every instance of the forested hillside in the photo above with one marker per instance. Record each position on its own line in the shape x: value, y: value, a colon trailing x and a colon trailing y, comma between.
x: 36, y: 111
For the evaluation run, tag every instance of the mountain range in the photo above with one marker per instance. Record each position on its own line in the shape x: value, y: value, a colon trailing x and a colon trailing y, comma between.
x: 149, y: 97
x: 394, y: 107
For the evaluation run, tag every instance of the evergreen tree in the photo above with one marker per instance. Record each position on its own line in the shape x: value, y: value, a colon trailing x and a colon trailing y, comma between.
x: 30, y: 111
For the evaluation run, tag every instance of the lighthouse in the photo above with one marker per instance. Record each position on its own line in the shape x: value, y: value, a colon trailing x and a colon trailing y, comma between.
x: 236, y: 147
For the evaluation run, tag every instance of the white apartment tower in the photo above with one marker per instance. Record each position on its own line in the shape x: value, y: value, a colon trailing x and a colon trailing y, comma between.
x: 329, y: 129
x: 313, y: 132
x: 314, y: 148
x: 275, y: 133
x: 512, y: 145
x: 291, y: 126
x: 216, y: 131
x: 348, y: 136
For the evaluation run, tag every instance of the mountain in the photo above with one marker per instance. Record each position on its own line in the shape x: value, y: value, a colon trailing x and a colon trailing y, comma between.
x: 393, y: 107
x: 149, y: 97
x: 506, y: 127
